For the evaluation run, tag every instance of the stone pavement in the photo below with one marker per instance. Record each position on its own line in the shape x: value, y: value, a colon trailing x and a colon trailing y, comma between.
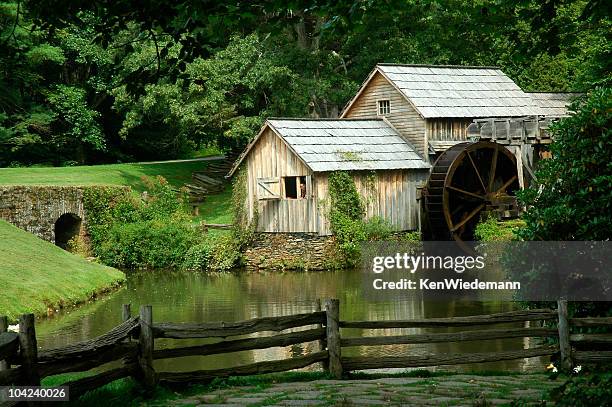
x: 454, y: 390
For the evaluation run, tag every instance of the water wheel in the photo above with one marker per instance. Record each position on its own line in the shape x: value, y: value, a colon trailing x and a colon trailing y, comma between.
x: 466, y: 180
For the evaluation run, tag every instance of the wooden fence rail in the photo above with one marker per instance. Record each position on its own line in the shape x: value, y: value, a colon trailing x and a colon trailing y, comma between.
x: 131, y: 345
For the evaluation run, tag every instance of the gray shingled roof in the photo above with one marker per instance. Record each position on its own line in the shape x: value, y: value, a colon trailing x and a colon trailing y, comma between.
x: 454, y: 91
x: 345, y: 144
x: 553, y: 104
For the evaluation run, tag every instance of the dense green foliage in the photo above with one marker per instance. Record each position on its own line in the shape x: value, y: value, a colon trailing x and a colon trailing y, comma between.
x: 573, y: 197
x: 346, y: 213
x: 347, y: 218
x: 101, y: 81
x: 134, y: 233
x: 584, y: 390
x: 492, y: 230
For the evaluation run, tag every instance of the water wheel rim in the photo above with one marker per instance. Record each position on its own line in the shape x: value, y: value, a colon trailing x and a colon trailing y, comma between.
x: 462, y: 153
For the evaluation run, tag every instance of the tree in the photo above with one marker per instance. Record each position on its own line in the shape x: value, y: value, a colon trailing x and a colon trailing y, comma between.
x: 573, y: 197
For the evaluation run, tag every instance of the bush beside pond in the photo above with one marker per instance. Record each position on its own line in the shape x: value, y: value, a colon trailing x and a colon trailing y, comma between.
x: 153, y: 231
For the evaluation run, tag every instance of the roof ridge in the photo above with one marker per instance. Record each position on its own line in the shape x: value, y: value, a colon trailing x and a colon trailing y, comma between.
x: 314, y: 119
x: 544, y: 91
x: 439, y: 66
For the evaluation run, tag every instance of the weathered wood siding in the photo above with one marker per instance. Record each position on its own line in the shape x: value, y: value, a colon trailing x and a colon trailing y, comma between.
x: 403, y: 116
x: 392, y: 195
x: 269, y: 158
x: 447, y: 129
x: 388, y: 194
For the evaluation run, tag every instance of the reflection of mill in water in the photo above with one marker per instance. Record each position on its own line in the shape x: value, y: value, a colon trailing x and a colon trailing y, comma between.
x: 188, y: 297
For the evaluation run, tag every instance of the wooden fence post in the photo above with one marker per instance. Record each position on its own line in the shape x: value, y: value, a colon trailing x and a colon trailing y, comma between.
x: 322, y: 341
x: 3, y: 328
x: 564, y: 336
x: 126, y: 312
x: 146, y: 342
x: 332, y: 309
x: 28, y: 349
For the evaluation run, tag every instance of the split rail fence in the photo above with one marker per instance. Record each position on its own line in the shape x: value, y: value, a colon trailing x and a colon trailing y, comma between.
x: 132, y: 344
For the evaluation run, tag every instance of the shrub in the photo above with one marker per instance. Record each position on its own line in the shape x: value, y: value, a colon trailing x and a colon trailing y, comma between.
x: 573, y: 198
x: 78, y: 245
x: 377, y: 228
x: 243, y: 228
x: 588, y: 390
x: 225, y: 253
x: 153, y: 243
x: 161, y: 200
x: 346, y: 213
x: 492, y: 230
x: 198, y: 257
x: 134, y: 233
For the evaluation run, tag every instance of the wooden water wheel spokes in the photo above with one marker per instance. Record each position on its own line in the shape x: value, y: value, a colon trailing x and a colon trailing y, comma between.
x: 467, y: 179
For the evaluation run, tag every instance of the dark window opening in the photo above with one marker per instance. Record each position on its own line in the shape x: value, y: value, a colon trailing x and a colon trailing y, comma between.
x: 291, y: 187
x: 66, y: 227
x: 295, y: 187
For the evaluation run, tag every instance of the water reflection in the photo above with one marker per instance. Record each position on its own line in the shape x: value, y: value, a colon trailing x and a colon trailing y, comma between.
x: 195, y: 297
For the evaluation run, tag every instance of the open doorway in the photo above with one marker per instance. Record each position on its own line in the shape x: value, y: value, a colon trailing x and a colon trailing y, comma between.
x: 67, y: 226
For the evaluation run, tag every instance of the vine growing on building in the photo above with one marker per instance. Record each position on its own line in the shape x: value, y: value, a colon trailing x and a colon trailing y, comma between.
x: 244, y: 228
x: 346, y: 213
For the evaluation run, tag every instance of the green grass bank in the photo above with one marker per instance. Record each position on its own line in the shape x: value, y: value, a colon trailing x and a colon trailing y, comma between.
x: 176, y: 172
x: 36, y: 275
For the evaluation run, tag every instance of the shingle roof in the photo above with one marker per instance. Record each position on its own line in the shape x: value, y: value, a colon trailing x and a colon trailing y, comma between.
x: 553, y: 104
x: 345, y: 144
x: 456, y: 91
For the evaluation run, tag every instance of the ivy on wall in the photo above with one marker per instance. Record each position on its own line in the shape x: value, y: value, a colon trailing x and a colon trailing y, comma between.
x: 347, y: 218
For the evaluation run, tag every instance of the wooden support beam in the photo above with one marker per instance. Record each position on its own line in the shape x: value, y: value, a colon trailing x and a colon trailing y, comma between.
x: 238, y: 345
x: 332, y: 309
x: 146, y: 371
x: 593, y: 357
x: 564, y: 336
x: 479, y: 335
x: 81, y: 386
x: 126, y: 312
x: 28, y: 349
x: 9, y: 345
x: 3, y: 328
x: 323, y: 341
x: 270, y: 366
x: 502, y: 317
x: 225, y: 329
x: 388, y: 362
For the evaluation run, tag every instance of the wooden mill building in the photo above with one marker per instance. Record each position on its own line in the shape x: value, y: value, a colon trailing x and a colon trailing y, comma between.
x: 289, y: 161
x: 432, y: 106
x: 389, y: 133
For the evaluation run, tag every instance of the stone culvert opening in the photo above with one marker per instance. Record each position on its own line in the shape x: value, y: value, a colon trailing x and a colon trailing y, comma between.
x: 67, y: 226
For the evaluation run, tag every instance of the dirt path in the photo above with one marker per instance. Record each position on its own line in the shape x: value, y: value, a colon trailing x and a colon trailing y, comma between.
x: 454, y: 390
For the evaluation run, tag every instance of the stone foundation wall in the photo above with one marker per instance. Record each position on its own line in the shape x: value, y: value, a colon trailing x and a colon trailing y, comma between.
x: 291, y: 251
x: 35, y: 209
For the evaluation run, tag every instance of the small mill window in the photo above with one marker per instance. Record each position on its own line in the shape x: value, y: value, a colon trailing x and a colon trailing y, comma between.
x: 295, y: 187
x: 384, y: 107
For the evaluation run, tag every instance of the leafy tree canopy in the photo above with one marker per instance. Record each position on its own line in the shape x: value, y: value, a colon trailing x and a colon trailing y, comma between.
x: 573, y: 198
x: 106, y: 81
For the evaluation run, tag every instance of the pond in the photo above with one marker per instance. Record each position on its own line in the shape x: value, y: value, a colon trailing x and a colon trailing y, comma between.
x: 199, y: 297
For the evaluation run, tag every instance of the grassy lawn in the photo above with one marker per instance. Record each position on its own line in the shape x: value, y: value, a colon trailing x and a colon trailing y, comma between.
x: 35, y: 275
x: 217, y: 208
x: 177, y: 173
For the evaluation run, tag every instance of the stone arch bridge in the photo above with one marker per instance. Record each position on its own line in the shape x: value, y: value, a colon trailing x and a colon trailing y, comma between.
x: 53, y: 213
